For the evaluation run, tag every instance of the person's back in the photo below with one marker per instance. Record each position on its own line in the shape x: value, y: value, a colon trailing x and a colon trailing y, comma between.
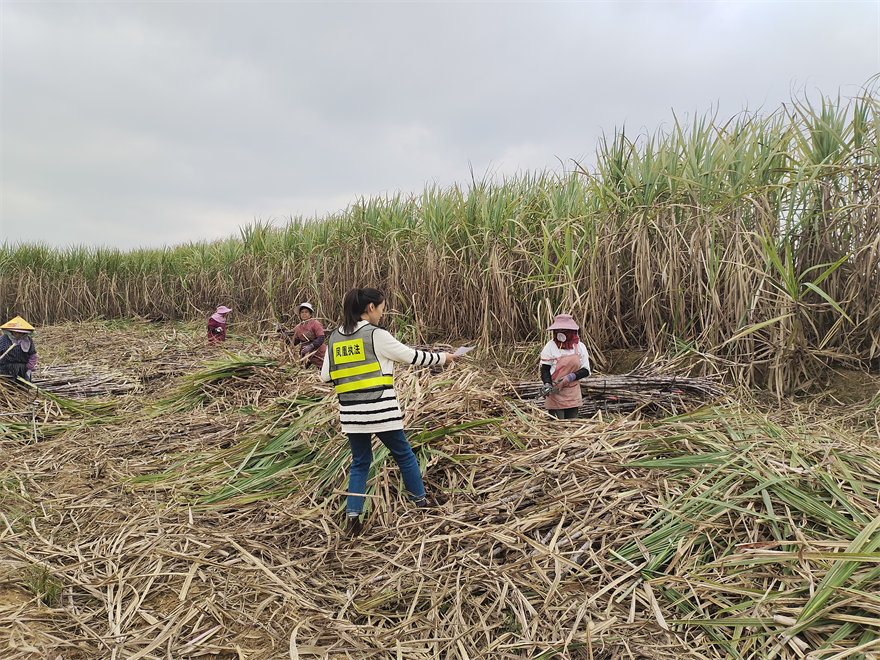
x: 360, y: 362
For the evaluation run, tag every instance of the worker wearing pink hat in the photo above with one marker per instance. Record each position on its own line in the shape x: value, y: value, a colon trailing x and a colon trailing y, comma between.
x: 217, y: 325
x: 564, y: 361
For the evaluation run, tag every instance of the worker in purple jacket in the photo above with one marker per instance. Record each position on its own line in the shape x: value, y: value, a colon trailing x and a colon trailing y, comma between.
x: 217, y: 325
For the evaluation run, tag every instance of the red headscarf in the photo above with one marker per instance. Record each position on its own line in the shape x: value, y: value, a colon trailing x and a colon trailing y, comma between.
x: 571, y: 339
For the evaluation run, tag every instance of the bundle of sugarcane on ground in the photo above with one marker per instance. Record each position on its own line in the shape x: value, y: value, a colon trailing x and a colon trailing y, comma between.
x: 29, y: 413
x: 18, y: 409
x: 81, y: 381
x: 645, y: 390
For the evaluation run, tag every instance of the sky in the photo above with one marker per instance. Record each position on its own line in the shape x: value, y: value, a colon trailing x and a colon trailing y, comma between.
x: 143, y: 124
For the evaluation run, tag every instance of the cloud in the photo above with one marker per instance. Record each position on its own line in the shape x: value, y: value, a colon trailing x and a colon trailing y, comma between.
x: 149, y: 123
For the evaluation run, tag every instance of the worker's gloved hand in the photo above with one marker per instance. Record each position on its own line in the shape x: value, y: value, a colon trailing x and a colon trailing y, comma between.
x: 218, y: 329
x: 305, y: 348
x: 28, y: 374
x: 546, y: 389
x: 562, y: 382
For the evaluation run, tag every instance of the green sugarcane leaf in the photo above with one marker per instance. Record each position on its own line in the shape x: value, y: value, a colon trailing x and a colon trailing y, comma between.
x: 867, y: 541
x: 837, y: 308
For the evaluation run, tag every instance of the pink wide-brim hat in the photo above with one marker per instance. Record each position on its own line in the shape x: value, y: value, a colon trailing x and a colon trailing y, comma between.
x: 563, y: 322
x: 223, y: 310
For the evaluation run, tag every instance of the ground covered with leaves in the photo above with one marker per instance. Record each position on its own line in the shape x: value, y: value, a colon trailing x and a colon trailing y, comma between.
x: 185, y: 501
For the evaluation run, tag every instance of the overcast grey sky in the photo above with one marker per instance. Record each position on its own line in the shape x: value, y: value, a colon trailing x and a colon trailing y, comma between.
x: 150, y: 123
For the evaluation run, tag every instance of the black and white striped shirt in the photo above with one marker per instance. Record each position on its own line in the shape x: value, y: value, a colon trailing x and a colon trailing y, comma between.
x: 383, y: 414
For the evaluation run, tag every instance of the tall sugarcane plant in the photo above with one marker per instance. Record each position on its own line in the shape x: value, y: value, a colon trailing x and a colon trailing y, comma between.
x: 754, y: 238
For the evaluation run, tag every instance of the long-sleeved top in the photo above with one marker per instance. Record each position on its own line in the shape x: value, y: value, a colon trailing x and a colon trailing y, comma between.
x: 311, y: 333
x: 17, y: 362
x: 216, y: 331
x: 384, y: 413
x: 551, y: 353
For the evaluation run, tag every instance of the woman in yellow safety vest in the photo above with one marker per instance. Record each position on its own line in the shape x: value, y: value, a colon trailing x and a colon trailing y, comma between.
x: 360, y: 362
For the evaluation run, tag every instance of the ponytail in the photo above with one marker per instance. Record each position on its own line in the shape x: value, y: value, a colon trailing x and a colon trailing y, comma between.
x: 355, y: 304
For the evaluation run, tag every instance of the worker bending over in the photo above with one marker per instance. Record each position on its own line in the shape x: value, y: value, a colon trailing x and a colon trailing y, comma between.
x: 18, y: 355
x: 564, y: 361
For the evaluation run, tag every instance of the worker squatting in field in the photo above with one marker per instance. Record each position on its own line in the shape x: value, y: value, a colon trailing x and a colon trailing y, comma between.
x: 18, y: 355
x: 217, y: 325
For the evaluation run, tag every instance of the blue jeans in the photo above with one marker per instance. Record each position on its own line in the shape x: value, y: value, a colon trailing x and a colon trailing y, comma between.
x: 362, y: 457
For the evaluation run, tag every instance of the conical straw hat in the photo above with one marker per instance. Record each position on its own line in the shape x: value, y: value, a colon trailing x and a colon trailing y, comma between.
x: 18, y: 324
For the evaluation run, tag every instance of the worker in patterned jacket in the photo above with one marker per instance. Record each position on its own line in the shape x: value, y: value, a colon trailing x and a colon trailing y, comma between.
x: 309, y: 336
x: 360, y: 362
x: 18, y: 355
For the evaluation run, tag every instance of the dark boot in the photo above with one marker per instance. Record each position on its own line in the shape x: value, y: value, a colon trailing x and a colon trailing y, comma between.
x: 353, y: 527
x: 425, y: 502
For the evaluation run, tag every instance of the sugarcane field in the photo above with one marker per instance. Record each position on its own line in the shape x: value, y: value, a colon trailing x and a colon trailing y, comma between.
x: 643, y: 404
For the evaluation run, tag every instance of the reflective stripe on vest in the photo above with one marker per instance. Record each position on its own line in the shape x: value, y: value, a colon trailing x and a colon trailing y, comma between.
x: 354, y: 366
x: 364, y: 384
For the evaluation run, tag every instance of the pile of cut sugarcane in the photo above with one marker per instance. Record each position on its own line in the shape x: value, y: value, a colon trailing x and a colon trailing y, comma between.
x: 724, y: 533
x: 28, y: 413
x: 81, y: 381
x: 645, y: 391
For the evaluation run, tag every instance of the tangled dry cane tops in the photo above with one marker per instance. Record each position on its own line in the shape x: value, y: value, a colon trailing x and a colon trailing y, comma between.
x: 551, y: 540
x: 473, y: 579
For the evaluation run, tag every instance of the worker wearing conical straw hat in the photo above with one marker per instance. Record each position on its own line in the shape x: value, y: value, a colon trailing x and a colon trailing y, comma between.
x: 217, y: 325
x: 360, y: 364
x: 564, y: 361
x: 18, y: 355
x: 309, y: 336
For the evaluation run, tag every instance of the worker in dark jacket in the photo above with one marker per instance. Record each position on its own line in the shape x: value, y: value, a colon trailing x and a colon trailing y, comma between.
x: 18, y: 355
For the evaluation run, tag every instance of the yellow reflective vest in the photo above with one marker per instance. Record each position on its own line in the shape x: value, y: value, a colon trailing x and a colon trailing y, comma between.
x: 354, y: 366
